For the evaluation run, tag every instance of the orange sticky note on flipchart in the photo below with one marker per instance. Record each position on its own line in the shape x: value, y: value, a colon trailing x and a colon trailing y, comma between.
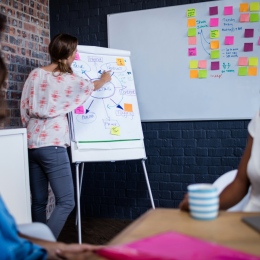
x: 128, y: 107
x: 244, y: 7
x: 252, y: 71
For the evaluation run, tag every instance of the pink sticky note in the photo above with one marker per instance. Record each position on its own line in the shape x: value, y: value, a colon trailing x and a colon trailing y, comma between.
x: 248, y: 46
x: 244, y: 18
x: 77, y: 56
x: 228, y: 10
x: 202, y: 64
x: 213, y: 22
x: 229, y: 40
x: 213, y: 10
x: 259, y: 41
x: 243, y: 61
x: 79, y: 110
x: 249, y: 33
x: 214, y: 65
x: 192, y: 40
x: 192, y: 52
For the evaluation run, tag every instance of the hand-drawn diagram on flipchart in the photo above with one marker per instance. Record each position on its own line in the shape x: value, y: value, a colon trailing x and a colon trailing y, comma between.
x: 111, y: 113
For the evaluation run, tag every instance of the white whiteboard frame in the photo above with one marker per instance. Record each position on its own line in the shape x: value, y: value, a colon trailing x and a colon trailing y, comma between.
x: 163, y: 90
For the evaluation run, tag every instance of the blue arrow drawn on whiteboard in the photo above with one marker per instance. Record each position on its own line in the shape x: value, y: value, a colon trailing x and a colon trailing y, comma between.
x: 201, y: 35
x: 87, y: 110
x: 117, y: 105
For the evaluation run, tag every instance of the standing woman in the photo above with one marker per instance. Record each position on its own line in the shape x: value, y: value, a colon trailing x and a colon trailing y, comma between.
x: 48, y: 95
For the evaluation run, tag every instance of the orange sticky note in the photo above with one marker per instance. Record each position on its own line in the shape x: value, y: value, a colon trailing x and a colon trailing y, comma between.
x: 244, y: 7
x: 214, y: 44
x: 120, y: 61
x: 194, y: 74
x: 192, y: 22
x: 252, y: 71
x: 128, y: 107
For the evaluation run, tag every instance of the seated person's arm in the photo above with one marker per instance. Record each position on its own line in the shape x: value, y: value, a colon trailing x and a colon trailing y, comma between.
x: 60, y: 250
x: 237, y: 189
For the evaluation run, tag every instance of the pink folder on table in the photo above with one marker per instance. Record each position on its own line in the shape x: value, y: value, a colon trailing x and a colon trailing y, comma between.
x: 172, y: 246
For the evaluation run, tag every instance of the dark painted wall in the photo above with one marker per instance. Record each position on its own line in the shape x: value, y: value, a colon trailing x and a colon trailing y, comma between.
x: 178, y: 153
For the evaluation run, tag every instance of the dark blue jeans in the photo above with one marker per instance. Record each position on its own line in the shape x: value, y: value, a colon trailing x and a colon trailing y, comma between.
x: 51, y: 164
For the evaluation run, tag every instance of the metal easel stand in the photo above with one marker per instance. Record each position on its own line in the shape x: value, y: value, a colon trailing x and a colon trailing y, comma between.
x: 79, y: 178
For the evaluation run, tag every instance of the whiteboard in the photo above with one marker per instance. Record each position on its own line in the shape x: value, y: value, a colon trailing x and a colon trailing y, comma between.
x: 107, y: 127
x: 162, y: 53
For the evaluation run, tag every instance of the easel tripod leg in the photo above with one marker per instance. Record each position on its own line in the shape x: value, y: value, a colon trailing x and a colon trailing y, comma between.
x: 78, y: 204
x: 148, y: 183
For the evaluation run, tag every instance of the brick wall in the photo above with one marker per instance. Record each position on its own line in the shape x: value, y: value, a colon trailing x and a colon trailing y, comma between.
x: 24, y: 47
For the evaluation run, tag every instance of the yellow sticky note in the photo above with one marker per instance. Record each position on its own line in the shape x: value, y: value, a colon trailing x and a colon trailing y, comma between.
x: 242, y: 71
x: 203, y: 74
x: 120, y: 61
x: 115, y: 130
x: 194, y: 74
x: 254, y: 7
x: 214, y: 34
x: 243, y: 7
x: 191, y: 12
x: 253, y: 61
x: 214, y: 54
x: 128, y: 107
x: 214, y: 44
x: 192, y: 32
x: 192, y: 40
x: 192, y: 22
x: 252, y: 71
x: 194, y: 64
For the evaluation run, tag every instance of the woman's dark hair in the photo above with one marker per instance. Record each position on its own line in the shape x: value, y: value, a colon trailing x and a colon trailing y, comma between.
x: 60, y: 48
x: 3, y: 74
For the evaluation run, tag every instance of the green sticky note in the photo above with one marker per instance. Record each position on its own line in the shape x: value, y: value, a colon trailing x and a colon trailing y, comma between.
x: 214, y: 34
x: 203, y: 74
x: 192, y: 32
x: 254, y: 7
x: 194, y: 64
x: 242, y: 71
x: 214, y: 54
x: 191, y: 12
x: 254, y: 17
x: 253, y: 61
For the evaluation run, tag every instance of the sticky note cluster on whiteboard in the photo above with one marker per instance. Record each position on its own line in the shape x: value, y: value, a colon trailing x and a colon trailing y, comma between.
x: 219, y: 42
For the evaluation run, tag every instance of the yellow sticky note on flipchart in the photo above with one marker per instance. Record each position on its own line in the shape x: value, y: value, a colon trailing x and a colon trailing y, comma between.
x: 115, y: 130
x: 120, y: 61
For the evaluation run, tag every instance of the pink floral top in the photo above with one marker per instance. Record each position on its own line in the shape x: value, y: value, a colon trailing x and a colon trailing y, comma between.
x: 46, y: 100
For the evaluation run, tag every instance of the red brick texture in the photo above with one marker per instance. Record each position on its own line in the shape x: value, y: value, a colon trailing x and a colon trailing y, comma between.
x: 24, y: 47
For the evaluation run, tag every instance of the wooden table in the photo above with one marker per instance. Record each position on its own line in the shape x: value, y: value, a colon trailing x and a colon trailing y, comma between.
x: 227, y: 229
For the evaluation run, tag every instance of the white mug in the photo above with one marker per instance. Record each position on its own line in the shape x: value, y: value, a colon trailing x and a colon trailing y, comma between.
x: 203, y: 201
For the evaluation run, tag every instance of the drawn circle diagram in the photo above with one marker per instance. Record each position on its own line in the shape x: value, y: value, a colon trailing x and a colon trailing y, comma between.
x: 88, y: 118
x: 113, y: 67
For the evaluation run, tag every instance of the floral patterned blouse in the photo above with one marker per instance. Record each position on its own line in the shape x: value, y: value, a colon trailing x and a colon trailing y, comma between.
x: 46, y: 100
